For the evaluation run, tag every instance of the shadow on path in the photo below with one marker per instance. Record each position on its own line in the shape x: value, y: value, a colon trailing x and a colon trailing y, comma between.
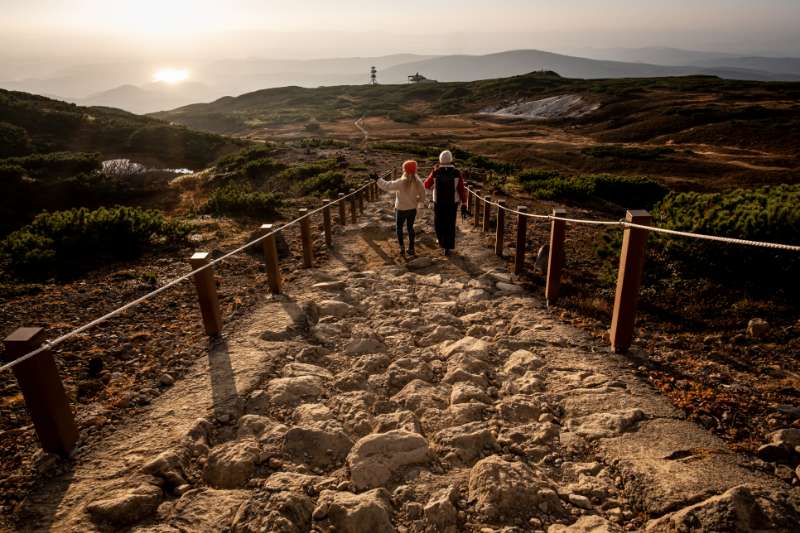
x: 224, y: 395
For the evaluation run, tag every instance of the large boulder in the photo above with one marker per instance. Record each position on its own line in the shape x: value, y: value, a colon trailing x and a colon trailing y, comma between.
x: 369, y: 512
x: 440, y: 511
x: 317, y: 447
x: 522, y: 361
x: 169, y: 466
x: 604, y: 425
x: 376, y: 458
x: 126, y: 506
x: 231, y: 465
x: 743, y: 508
x: 510, y: 490
x: 464, y: 444
x: 476, y: 348
x: 279, y: 512
x: 292, y: 391
x: 207, y: 509
x: 418, y: 395
x: 294, y: 370
x: 334, y: 308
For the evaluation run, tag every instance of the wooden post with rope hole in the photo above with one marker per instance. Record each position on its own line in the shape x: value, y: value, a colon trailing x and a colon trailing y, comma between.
x: 522, y: 230
x: 305, y: 239
x: 43, y: 391
x: 271, y: 260
x: 629, y: 279
x: 487, y: 214
x: 206, y: 287
x: 555, y: 261
x: 477, y: 213
x: 353, y: 208
x: 326, y: 222
x: 342, y: 215
x: 501, y: 229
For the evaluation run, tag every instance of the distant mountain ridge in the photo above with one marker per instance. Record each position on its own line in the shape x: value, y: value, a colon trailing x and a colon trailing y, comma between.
x: 241, y: 76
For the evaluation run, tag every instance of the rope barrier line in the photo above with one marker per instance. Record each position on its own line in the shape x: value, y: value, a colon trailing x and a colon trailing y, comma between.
x: 624, y: 224
x: 46, y: 345
x: 732, y: 240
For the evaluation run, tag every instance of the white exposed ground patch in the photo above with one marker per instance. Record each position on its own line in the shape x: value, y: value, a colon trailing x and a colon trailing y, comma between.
x: 554, y: 107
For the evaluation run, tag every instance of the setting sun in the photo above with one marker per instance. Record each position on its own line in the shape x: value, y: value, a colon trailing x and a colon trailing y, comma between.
x: 171, y: 75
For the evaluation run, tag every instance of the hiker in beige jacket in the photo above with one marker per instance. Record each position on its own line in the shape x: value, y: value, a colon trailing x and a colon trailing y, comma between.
x: 409, y: 192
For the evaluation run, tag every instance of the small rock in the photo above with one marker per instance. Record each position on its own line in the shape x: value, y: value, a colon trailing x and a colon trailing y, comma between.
x: 420, y: 263
x: 364, y: 346
x: 757, y: 328
x: 231, y: 465
x: 331, y: 286
x: 580, y: 501
x: 509, y: 288
x: 127, y: 506
x: 440, y: 510
x: 317, y: 447
x: 585, y: 524
x: 166, y: 380
x: 784, y: 472
x: 790, y: 436
x: 377, y: 457
x: 291, y: 391
x: 773, y: 453
x: 369, y: 512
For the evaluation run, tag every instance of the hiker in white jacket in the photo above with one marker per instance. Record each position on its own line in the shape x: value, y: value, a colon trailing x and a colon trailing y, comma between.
x: 408, y: 193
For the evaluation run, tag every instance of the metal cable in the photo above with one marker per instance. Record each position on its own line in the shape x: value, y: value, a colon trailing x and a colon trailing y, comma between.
x: 46, y: 345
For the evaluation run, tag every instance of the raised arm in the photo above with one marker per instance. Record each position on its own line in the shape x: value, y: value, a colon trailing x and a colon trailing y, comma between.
x: 389, y: 185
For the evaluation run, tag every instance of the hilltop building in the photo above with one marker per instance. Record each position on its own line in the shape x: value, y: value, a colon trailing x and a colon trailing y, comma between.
x: 419, y: 78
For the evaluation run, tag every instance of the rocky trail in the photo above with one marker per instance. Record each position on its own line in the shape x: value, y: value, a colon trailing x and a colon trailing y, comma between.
x: 434, y: 395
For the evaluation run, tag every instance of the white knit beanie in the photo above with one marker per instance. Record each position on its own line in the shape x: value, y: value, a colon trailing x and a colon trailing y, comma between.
x: 446, y: 158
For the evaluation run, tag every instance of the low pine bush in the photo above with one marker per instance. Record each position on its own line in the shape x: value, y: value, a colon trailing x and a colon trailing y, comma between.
x: 237, y: 200
x: 63, y: 242
x: 763, y: 214
x: 624, y: 191
x: 328, y: 184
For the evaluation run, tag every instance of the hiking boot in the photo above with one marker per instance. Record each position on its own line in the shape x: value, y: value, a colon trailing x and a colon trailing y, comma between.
x: 402, y: 252
x: 411, y: 251
x: 446, y: 251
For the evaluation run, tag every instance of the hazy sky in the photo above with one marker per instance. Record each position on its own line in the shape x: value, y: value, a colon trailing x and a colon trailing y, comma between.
x: 203, y: 29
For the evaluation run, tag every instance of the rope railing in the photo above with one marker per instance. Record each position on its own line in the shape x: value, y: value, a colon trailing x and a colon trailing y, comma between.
x: 625, y: 224
x: 48, y: 404
x: 49, y: 344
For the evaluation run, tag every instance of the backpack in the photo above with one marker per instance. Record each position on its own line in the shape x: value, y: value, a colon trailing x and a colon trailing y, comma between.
x: 446, y: 180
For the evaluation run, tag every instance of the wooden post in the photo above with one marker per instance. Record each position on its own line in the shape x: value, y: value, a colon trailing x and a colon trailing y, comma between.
x: 353, y: 210
x: 555, y: 261
x: 522, y: 229
x: 469, y: 196
x: 326, y: 222
x: 629, y: 278
x: 206, y: 287
x: 478, y: 202
x: 342, y: 215
x: 43, y: 391
x: 487, y: 214
x: 271, y: 260
x: 501, y: 228
x: 305, y: 238
x: 360, y: 196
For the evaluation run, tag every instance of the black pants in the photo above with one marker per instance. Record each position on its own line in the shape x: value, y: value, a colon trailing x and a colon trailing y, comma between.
x: 407, y: 217
x: 444, y: 222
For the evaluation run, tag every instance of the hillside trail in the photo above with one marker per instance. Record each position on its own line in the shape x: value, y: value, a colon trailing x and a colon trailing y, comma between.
x: 430, y: 395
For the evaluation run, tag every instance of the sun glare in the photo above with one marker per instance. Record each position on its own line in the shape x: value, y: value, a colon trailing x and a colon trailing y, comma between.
x: 171, y: 75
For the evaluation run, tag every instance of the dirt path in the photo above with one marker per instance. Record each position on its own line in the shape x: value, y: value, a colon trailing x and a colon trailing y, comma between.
x: 434, y: 395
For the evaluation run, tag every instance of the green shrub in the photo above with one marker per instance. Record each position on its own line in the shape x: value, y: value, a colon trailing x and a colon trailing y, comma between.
x: 65, y: 241
x: 14, y: 141
x: 307, y: 170
x: 769, y: 214
x: 406, y: 148
x: 328, y: 184
x: 624, y: 152
x: 624, y: 191
x: 483, y: 162
x: 236, y: 200
x: 528, y: 177
x: 57, y: 164
x: 233, y: 162
x: 494, y: 182
x: 405, y: 116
